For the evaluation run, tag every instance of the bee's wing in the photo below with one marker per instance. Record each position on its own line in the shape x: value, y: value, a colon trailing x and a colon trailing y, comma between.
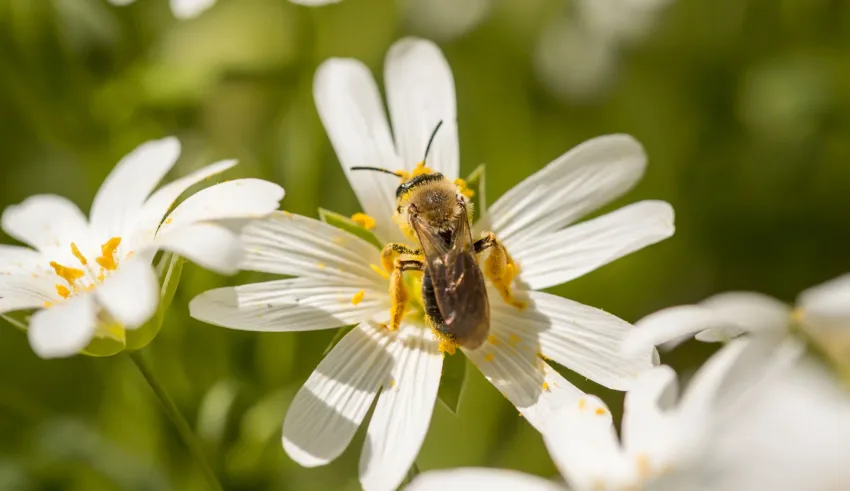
x: 458, y: 283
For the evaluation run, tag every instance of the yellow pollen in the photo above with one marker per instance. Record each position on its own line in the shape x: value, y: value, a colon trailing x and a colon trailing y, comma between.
x: 363, y: 220
x: 600, y: 411
x: 514, y: 339
x: 68, y: 274
x: 320, y: 265
x: 358, y: 297
x: 447, y: 346
x: 489, y: 357
x: 168, y: 220
x: 463, y: 189
x: 492, y: 340
x: 76, y: 252
x: 63, y: 291
x: 380, y: 271
x: 107, y: 258
x: 420, y: 169
x: 642, y: 465
x: 48, y: 304
x: 392, y: 383
x: 582, y: 403
x: 545, y: 386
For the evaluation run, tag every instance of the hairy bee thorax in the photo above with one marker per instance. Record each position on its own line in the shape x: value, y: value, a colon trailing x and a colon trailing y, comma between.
x: 431, y: 195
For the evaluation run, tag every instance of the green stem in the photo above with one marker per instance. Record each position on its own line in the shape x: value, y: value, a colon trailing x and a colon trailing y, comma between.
x: 186, y: 434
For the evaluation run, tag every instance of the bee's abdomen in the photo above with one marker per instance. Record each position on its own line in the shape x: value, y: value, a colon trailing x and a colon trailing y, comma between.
x: 432, y: 310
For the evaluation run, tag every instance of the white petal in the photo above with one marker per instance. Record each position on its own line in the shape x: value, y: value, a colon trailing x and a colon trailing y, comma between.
x: 512, y: 365
x: 583, y: 444
x: 329, y: 408
x: 64, y: 329
x: 45, y: 222
x: 559, y: 257
x: 582, y: 338
x: 239, y: 198
x: 158, y: 204
x: 26, y: 288
x: 130, y: 294
x: 404, y: 408
x: 420, y: 94
x: 830, y: 299
x: 573, y: 185
x: 283, y: 243
x: 186, y: 9
x: 119, y: 199
x: 754, y: 312
x: 643, y: 418
x: 702, y: 391
x: 297, y: 304
x: 471, y: 478
x: 670, y: 325
x: 21, y: 260
x: 349, y: 105
x: 212, y: 246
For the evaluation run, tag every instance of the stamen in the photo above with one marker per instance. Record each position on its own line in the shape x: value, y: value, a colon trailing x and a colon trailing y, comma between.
x: 68, y: 274
x: 364, y: 220
x: 107, y: 259
x: 76, y: 252
x: 582, y: 403
x: 358, y: 297
x: 492, y: 340
x: 463, y: 189
x: 420, y: 169
x: 545, y: 386
x: 63, y: 291
x: 489, y: 357
x: 380, y: 271
x: 600, y: 411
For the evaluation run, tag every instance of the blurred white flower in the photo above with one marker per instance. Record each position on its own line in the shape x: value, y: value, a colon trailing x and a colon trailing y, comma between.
x: 93, y: 278
x: 338, y: 280
x: 754, y: 417
x: 577, y: 56
x: 658, y: 435
x: 445, y: 19
x: 823, y: 310
x: 182, y: 9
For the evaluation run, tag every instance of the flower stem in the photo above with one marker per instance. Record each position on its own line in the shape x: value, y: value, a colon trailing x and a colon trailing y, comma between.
x: 186, y: 434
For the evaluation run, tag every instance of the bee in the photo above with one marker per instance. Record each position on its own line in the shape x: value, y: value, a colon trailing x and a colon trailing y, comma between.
x: 435, y: 213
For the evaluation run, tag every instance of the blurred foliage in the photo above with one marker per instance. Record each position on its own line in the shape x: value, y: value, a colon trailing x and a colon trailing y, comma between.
x: 743, y: 106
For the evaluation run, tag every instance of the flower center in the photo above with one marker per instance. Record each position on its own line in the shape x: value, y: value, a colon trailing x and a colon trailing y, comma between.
x: 85, y: 278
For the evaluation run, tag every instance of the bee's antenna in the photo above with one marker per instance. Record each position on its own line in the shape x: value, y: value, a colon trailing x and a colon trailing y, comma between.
x: 431, y: 140
x: 376, y: 169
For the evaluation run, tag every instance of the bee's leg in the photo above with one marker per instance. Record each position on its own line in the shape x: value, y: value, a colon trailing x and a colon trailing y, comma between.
x: 499, y: 268
x: 398, y: 289
x: 392, y: 250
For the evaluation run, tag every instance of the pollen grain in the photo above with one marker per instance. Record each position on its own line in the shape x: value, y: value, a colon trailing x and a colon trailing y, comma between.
x: 364, y: 220
x: 358, y: 297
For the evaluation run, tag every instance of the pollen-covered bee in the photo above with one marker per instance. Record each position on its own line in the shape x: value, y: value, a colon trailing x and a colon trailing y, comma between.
x: 435, y: 212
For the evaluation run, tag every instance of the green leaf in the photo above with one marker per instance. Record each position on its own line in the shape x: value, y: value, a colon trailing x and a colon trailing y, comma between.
x: 340, y: 333
x: 475, y: 182
x: 452, y: 381
x: 347, y: 224
x: 169, y: 268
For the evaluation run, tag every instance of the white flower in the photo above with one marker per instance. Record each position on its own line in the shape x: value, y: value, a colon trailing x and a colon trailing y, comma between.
x: 754, y: 417
x: 182, y: 9
x: 338, y: 281
x: 823, y: 310
x: 93, y: 278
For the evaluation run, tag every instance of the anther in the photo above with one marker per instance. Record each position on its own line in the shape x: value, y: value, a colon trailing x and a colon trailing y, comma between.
x: 364, y: 220
x: 107, y: 258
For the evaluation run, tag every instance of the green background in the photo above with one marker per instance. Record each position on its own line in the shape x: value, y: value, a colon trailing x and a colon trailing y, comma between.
x: 743, y: 106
